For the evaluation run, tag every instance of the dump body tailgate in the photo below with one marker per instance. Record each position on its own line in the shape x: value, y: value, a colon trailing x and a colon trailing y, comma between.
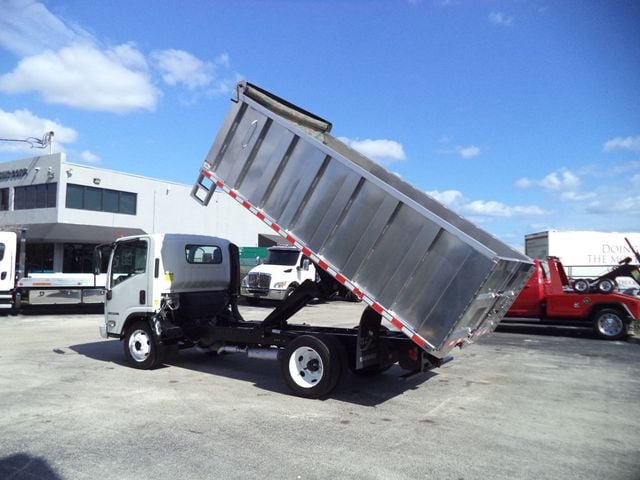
x: 429, y: 272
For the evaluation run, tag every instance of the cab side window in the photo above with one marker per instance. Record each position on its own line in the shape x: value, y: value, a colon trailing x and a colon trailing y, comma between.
x: 203, y: 254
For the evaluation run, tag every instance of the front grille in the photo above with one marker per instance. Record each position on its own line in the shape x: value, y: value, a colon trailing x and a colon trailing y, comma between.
x: 259, y: 280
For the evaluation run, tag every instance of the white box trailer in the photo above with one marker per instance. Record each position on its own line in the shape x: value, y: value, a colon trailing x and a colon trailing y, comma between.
x: 583, y: 253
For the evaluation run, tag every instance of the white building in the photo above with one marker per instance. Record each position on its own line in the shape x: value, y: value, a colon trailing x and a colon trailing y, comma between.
x: 66, y: 209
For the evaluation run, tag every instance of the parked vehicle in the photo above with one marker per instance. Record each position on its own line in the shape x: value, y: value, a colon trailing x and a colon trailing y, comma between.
x: 549, y: 297
x: 19, y: 288
x: 436, y: 279
x: 284, y: 270
x: 608, y: 282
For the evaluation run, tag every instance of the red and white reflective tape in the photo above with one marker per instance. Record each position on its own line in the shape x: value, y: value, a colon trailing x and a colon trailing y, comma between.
x: 368, y: 299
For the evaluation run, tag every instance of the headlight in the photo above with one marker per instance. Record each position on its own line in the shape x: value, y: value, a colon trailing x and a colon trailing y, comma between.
x: 245, y: 281
x: 280, y: 285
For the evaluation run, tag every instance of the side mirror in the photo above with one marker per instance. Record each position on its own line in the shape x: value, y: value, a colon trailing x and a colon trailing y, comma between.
x: 305, y: 264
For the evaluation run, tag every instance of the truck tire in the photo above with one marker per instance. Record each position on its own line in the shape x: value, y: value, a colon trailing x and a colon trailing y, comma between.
x: 290, y: 290
x: 140, y: 346
x: 581, y: 286
x: 610, y: 324
x: 311, y: 365
x: 606, y: 285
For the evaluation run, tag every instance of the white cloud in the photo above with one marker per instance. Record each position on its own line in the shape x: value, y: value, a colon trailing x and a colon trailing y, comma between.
x: 455, y: 200
x: 28, y: 28
x: 81, y: 76
x: 468, y: 152
x: 559, y: 181
x: 622, y: 143
x: 502, y: 19
x: 382, y: 151
x: 22, y: 124
x: 635, y: 180
x: 90, y: 157
x: 178, y: 66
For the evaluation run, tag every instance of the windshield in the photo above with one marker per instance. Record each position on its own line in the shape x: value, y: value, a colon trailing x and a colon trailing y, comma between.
x: 281, y: 257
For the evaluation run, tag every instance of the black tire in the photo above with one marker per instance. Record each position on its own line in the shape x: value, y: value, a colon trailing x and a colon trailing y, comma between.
x: 581, y: 286
x: 311, y: 365
x: 140, y: 346
x: 253, y: 301
x: 606, y: 285
x: 610, y: 324
x: 290, y: 290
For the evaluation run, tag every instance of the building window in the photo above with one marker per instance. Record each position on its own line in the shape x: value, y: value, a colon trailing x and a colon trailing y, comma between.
x: 100, y: 199
x: 78, y: 258
x: 39, y: 257
x: 35, y: 196
x: 4, y: 199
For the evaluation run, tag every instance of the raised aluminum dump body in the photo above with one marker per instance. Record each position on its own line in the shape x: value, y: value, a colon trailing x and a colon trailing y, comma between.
x: 429, y: 272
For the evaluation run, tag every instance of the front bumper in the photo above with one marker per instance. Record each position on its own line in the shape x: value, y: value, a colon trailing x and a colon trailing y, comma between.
x: 271, y: 294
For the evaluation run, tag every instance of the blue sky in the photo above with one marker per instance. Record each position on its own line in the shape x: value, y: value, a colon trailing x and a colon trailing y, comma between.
x: 520, y: 115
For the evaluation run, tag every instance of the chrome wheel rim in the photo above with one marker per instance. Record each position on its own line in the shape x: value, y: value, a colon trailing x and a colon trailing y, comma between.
x: 610, y: 324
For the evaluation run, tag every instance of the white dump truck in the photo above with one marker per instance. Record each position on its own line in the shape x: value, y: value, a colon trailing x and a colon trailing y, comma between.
x: 284, y: 270
x: 435, y: 279
x: 19, y: 288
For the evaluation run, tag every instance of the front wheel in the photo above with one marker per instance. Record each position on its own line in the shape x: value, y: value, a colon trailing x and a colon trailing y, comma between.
x: 610, y: 324
x: 311, y: 366
x: 140, y: 347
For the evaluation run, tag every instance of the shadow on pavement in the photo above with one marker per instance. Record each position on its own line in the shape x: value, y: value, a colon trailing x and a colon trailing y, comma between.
x: 62, y: 310
x: 550, y: 330
x: 266, y: 375
x: 23, y: 466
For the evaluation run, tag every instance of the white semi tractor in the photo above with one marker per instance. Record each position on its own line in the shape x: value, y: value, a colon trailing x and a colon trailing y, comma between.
x: 284, y: 270
x: 435, y: 279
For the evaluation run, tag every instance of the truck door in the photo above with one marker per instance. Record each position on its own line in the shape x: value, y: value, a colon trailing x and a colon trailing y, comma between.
x: 128, y: 280
x: 7, y: 260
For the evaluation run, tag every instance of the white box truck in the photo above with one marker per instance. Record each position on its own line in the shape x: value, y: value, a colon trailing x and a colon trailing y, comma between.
x: 18, y: 288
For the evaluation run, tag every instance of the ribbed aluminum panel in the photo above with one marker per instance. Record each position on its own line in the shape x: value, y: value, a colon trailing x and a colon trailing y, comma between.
x: 441, y: 276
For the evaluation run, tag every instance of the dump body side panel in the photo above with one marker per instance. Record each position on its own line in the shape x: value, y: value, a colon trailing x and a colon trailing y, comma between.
x: 424, y: 268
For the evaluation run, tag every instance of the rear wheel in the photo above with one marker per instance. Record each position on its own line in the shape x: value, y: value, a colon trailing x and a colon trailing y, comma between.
x: 311, y: 365
x: 581, y: 286
x: 610, y: 324
x: 606, y: 285
x: 140, y: 346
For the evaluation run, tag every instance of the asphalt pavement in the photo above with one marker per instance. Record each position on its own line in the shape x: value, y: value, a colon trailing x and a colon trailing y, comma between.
x: 522, y: 403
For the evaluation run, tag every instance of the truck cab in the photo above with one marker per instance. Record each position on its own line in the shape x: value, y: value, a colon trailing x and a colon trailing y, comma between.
x: 149, y: 273
x: 549, y: 297
x: 284, y: 269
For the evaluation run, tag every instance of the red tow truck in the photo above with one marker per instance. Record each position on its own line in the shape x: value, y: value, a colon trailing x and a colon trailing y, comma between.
x: 549, y: 297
